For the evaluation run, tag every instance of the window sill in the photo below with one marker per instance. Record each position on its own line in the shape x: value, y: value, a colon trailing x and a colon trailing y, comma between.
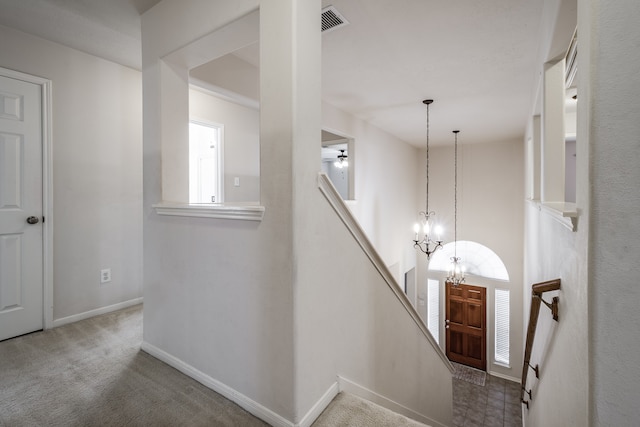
x: 563, y: 212
x: 502, y: 364
x: 246, y: 212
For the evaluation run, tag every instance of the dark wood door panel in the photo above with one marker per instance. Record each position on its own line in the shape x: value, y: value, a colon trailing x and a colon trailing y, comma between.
x: 466, y: 325
x: 475, y: 315
x: 456, y: 312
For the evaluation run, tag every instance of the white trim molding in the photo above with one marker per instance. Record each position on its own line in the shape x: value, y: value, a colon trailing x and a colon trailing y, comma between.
x: 235, y: 396
x: 243, y: 401
x: 503, y: 376
x: 349, y: 386
x: 312, y: 415
x: 98, y: 311
x: 222, y: 93
x: 249, y: 212
x: 563, y: 212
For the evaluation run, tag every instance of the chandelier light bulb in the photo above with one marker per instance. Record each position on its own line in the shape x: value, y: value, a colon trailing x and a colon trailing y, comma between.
x: 439, y: 230
x: 456, y: 272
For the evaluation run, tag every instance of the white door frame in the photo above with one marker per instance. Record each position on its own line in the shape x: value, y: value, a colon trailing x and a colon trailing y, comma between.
x: 47, y: 190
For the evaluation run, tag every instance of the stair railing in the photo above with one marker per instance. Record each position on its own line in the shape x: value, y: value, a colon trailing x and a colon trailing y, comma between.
x: 536, y: 298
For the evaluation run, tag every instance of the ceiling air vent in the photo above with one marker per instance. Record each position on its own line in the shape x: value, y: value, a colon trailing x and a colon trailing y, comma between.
x: 332, y: 19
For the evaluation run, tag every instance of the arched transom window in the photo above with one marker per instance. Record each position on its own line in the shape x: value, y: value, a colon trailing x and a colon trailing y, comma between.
x: 478, y: 260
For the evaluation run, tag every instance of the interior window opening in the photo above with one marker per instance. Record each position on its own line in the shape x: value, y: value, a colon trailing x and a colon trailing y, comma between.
x: 338, y: 162
x: 205, y: 163
x: 225, y: 90
x: 571, y: 120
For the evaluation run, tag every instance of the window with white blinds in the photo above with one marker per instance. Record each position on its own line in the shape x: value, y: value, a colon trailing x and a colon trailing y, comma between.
x: 433, y: 308
x: 502, y: 326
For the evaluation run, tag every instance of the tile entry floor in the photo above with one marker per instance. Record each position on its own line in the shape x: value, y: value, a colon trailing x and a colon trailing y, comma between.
x: 497, y: 404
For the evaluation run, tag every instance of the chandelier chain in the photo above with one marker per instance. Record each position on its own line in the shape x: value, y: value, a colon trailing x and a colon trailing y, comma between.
x: 455, y: 198
x: 427, y: 193
x: 425, y: 233
x: 456, y: 273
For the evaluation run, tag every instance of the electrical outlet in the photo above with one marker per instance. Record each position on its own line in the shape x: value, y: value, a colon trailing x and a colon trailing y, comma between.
x: 105, y: 275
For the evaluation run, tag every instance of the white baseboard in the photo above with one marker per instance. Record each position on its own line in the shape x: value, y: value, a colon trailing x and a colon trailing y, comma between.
x: 320, y: 406
x: 504, y: 377
x: 96, y: 312
x: 363, y: 392
x: 243, y: 401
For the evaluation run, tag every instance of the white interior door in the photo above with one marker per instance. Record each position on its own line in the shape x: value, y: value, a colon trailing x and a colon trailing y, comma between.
x: 21, y: 230
x: 205, y: 166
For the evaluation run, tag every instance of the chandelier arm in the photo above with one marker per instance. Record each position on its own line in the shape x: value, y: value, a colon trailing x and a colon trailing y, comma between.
x: 426, y: 248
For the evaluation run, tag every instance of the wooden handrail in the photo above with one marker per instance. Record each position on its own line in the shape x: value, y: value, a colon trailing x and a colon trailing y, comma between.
x: 536, y: 298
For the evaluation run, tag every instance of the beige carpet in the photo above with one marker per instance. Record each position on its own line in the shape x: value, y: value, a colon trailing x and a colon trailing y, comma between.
x: 469, y: 374
x: 349, y: 410
x: 92, y: 373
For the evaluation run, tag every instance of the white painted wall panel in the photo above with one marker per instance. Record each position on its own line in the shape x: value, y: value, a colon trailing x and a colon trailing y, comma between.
x: 97, y: 139
x: 611, y: 117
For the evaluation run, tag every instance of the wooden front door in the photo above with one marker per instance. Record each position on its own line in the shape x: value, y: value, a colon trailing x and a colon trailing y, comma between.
x: 466, y: 325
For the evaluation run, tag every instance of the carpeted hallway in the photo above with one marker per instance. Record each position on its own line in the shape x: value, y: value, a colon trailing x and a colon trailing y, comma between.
x: 93, y: 373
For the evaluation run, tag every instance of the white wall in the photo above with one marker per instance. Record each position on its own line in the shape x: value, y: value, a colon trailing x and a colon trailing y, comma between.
x: 610, y: 116
x: 385, y: 186
x: 218, y: 293
x: 560, y: 395
x: 97, y: 174
x: 232, y: 74
x: 241, y: 142
x: 490, y: 212
x: 235, y: 300
x: 349, y: 323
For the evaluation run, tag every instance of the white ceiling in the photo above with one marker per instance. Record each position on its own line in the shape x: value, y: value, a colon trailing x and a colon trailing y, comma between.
x: 477, y: 60
x: 106, y: 28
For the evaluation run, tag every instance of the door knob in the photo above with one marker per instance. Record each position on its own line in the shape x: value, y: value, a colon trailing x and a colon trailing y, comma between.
x: 33, y: 220
x: 446, y: 324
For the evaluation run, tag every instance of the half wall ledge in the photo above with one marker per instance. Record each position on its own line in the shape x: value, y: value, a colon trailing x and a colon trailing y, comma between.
x: 563, y: 212
x: 245, y: 212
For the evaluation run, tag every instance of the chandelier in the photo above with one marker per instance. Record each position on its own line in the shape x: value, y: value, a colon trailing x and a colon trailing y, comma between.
x: 424, y: 231
x: 456, y: 272
x: 341, y: 161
